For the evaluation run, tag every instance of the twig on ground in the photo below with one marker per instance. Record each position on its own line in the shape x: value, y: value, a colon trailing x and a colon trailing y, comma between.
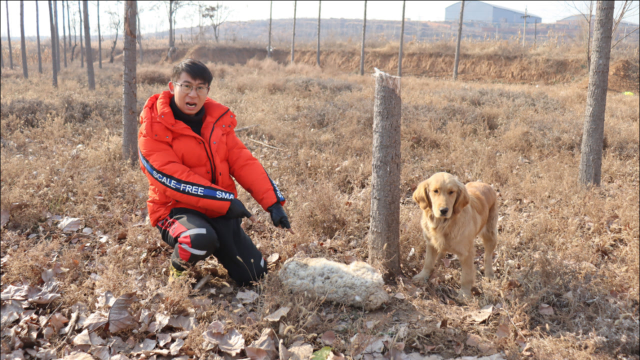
x: 246, y: 128
x: 202, y: 281
x: 267, y: 145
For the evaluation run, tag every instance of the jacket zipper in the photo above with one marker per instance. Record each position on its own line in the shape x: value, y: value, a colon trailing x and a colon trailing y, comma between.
x: 213, y: 174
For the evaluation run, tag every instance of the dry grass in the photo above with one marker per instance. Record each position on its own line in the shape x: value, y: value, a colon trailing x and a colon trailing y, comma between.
x: 574, y: 249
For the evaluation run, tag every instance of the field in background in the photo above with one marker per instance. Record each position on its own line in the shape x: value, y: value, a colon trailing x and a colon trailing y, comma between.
x: 515, y: 121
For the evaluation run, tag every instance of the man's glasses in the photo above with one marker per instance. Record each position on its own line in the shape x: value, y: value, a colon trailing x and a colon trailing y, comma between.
x: 200, y: 90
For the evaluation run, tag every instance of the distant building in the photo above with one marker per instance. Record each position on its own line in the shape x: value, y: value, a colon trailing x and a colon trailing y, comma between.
x: 481, y: 11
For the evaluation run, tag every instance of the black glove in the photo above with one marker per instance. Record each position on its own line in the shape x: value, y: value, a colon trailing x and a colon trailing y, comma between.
x: 278, y: 216
x: 237, y: 210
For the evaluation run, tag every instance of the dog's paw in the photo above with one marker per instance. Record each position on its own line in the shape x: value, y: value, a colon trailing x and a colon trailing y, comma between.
x: 420, y: 278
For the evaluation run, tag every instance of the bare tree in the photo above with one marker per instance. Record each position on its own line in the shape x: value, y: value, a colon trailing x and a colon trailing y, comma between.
x: 593, y: 133
x: 588, y: 17
x: 129, y: 131
x: 139, y: 36
x: 172, y: 7
x: 53, y: 61
x: 293, y: 36
x: 318, y: 51
x: 384, y: 229
x: 457, y: 58
x: 38, y: 39
x: 23, y: 50
x: 217, y: 16
x: 99, y: 36
x: 64, y: 37
x: 364, y: 30
x: 87, y: 45
x: 9, y: 37
x: 629, y: 9
x: 55, y: 14
x: 401, y: 42
x: 115, y: 21
x: 270, y: 18
x: 69, y: 28
x: 81, y: 46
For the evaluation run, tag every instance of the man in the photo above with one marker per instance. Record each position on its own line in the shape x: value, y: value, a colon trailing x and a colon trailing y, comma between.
x: 189, y: 151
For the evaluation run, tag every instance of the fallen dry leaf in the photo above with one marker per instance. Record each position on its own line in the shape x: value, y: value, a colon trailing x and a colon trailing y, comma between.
x: 163, y: 339
x: 283, y: 352
x: 273, y: 258
x: 247, y: 297
x: 78, y: 356
x: 82, y: 339
x: 458, y: 347
x: 146, y: 345
x: 119, y: 316
x: 176, y: 346
x: 4, y: 217
x: 106, y: 298
x: 57, y: 321
x: 328, y: 338
x: 482, y: 314
x: 399, y: 296
x: 264, y: 348
x: 545, y: 309
x: 232, y: 343
x: 503, y: 331
x: 45, y: 295
x: 278, y: 314
x: 69, y: 225
x: 183, y: 322
x: 95, y: 321
x: 300, y: 352
x: 442, y: 324
x: 473, y: 340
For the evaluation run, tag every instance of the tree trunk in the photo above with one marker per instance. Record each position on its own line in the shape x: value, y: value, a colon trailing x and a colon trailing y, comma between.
x: 64, y: 37
x: 401, y: 41
x: 23, y: 45
x: 87, y: 45
x: 113, y: 47
x: 384, y: 229
x: 293, y: 36
x: 130, y: 128
x: 364, y: 30
x: 69, y: 28
x: 318, y: 51
x: 99, y: 37
x: 270, y: 17
x: 457, y: 58
x: 593, y: 133
x: 139, y: 35
x: 1, y: 57
x: 81, y: 45
x: 171, y: 42
x: 53, y: 61
x: 590, y: 22
x: 9, y: 37
x: 55, y: 13
x: 38, y: 39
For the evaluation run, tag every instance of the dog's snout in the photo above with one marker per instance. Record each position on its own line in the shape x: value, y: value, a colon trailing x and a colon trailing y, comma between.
x: 444, y: 211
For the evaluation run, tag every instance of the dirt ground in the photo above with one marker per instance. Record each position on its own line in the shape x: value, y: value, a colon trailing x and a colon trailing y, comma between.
x: 566, y: 264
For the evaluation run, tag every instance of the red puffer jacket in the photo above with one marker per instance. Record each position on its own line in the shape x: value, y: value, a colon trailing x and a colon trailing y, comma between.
x: 191, y: 171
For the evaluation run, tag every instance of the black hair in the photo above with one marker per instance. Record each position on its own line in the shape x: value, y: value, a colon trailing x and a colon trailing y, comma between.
x: 195, y: 68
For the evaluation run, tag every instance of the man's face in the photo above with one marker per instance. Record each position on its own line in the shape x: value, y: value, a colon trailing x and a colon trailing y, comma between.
x: 189, y: 102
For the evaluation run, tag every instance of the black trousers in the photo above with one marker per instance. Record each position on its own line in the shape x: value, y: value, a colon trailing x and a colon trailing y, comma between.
x: 194, y: 237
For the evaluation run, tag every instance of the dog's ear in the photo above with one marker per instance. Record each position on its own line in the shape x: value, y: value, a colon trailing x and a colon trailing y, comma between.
x: 421, y: 196
x: 462, y: 199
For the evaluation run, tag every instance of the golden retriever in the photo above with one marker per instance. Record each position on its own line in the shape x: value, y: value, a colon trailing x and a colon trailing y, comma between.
x: 452, y: 216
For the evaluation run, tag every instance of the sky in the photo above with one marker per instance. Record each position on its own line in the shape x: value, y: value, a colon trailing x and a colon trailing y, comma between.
x: 154, y: 19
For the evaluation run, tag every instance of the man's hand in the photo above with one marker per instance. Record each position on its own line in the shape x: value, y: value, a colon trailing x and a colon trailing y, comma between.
x: 237, y: 210
x: 279, y: 217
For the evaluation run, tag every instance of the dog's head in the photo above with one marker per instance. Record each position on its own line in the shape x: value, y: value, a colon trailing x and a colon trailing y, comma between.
x: 441, y: 195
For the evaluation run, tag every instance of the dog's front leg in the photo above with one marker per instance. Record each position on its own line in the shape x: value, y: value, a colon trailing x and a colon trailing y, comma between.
x: 430, y: 259
x: 467, y: 275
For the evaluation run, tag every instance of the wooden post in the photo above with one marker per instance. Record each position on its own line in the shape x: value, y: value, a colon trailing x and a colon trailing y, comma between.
x: 364, y: 29
x: 401, y: 41
x: 457, y: 58
x: 293, y: 37
x: 593, y: 132
x: 524, y: 29
x: 129, y: 93
x: 384, y: 229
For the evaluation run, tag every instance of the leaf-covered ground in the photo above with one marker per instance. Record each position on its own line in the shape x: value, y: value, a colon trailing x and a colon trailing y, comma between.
x: 83, y: 274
